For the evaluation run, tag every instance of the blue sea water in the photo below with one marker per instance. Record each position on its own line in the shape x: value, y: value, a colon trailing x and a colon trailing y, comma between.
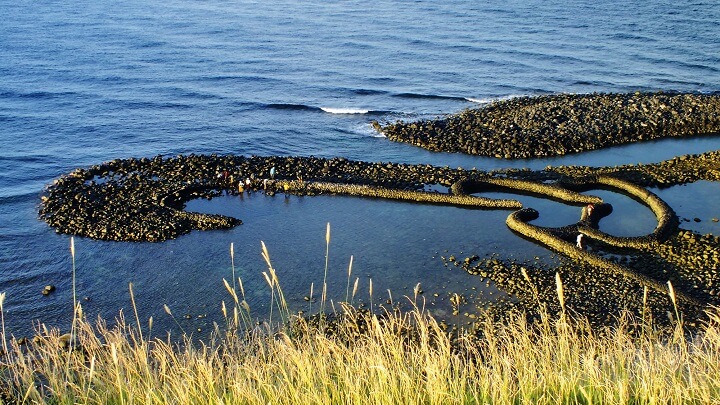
x: 89, y: 81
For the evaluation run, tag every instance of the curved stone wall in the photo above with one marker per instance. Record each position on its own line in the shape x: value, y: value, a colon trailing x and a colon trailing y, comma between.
x: 302, y: 187
x: 144, y: 199
x: 517, y: 221
x: 553, y: 190
x: 667, y: 220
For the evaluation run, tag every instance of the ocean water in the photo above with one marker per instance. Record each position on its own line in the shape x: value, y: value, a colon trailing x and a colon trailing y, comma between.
x: 89, y: 81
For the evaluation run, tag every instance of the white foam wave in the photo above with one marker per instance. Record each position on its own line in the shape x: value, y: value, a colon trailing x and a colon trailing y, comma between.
x: 367, y: 130
x: 332, y: 110
x: 479, y: 100
x: 492, y: 99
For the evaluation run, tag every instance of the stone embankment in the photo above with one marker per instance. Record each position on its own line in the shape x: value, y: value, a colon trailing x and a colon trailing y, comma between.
x: 544, y: 126
x: 562, y: 239
x: 552, y: 190
x: 144, y: 200
x: 304, y: 188
x: 678, y: 170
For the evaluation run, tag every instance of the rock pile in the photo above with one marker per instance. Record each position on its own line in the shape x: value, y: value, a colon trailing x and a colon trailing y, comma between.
x: 144, y: 200
x: 678, y: 170
x: 544, y: 126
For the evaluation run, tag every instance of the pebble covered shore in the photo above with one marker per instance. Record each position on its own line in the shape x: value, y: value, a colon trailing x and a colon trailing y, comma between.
x: 555, y: 125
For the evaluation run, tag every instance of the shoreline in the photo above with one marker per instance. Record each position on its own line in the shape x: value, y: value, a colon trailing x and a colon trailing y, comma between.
x: 143, y: 200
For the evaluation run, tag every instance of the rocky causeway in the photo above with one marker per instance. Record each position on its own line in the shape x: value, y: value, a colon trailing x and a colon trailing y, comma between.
x: 143, y: 200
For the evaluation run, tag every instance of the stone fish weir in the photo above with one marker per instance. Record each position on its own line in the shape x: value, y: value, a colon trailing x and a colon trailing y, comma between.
x: 554, y: 125
x: 143, y: 199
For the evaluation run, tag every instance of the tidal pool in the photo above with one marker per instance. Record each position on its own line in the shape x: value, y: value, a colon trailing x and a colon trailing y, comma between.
x: 397, y: 245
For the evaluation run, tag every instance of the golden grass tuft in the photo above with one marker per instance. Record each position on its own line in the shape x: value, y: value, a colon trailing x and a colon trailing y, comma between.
x: 361, y: 357
x: 396, y: 358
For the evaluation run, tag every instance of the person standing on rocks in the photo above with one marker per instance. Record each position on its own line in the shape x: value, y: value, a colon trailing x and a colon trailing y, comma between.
x: 586, y: 214
x: 581, y: 242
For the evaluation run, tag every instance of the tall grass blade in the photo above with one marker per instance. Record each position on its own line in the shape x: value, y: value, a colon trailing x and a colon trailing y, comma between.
x: 169, y: 312
x: 232, y: 292
x: 116, y: 361
x: 137, y: 318
x: 2, y: 318
x: 560, y: 291
x: 355, y: 288
x: 274, y: 284
x: 644, y: 308
x: 232, y: 262
x: 327, y: 256
x: 73, y: 325
x: 312, y: 287
x: 347, y: 288
x: 265, y: 254
x: 671, y: 291
x: 272, y: 292
x: 525, y: 275
x: 74, y: 290
x: 371, y: 296
x: 242, y: 289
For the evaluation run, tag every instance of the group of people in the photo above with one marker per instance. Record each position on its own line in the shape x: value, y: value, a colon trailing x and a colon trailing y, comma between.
x: 248, y: 183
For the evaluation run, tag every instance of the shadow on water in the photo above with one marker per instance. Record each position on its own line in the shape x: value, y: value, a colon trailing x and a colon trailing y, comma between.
x: 695, y: 205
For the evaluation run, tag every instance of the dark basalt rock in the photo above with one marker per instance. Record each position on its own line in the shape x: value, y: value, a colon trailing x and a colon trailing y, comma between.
x: 544, y: 126
x: 144, y: 200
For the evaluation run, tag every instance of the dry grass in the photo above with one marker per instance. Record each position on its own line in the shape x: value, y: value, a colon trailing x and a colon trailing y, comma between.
x: 390, y: 358
x: 400, y: 358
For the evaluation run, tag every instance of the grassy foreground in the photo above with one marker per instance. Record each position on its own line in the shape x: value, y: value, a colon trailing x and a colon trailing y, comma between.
x: 361, y: 357
x: 398, y: 358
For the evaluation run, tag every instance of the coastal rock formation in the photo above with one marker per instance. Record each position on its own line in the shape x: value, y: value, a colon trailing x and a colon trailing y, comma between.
x: 544, y: 126
x: 144, y: 200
